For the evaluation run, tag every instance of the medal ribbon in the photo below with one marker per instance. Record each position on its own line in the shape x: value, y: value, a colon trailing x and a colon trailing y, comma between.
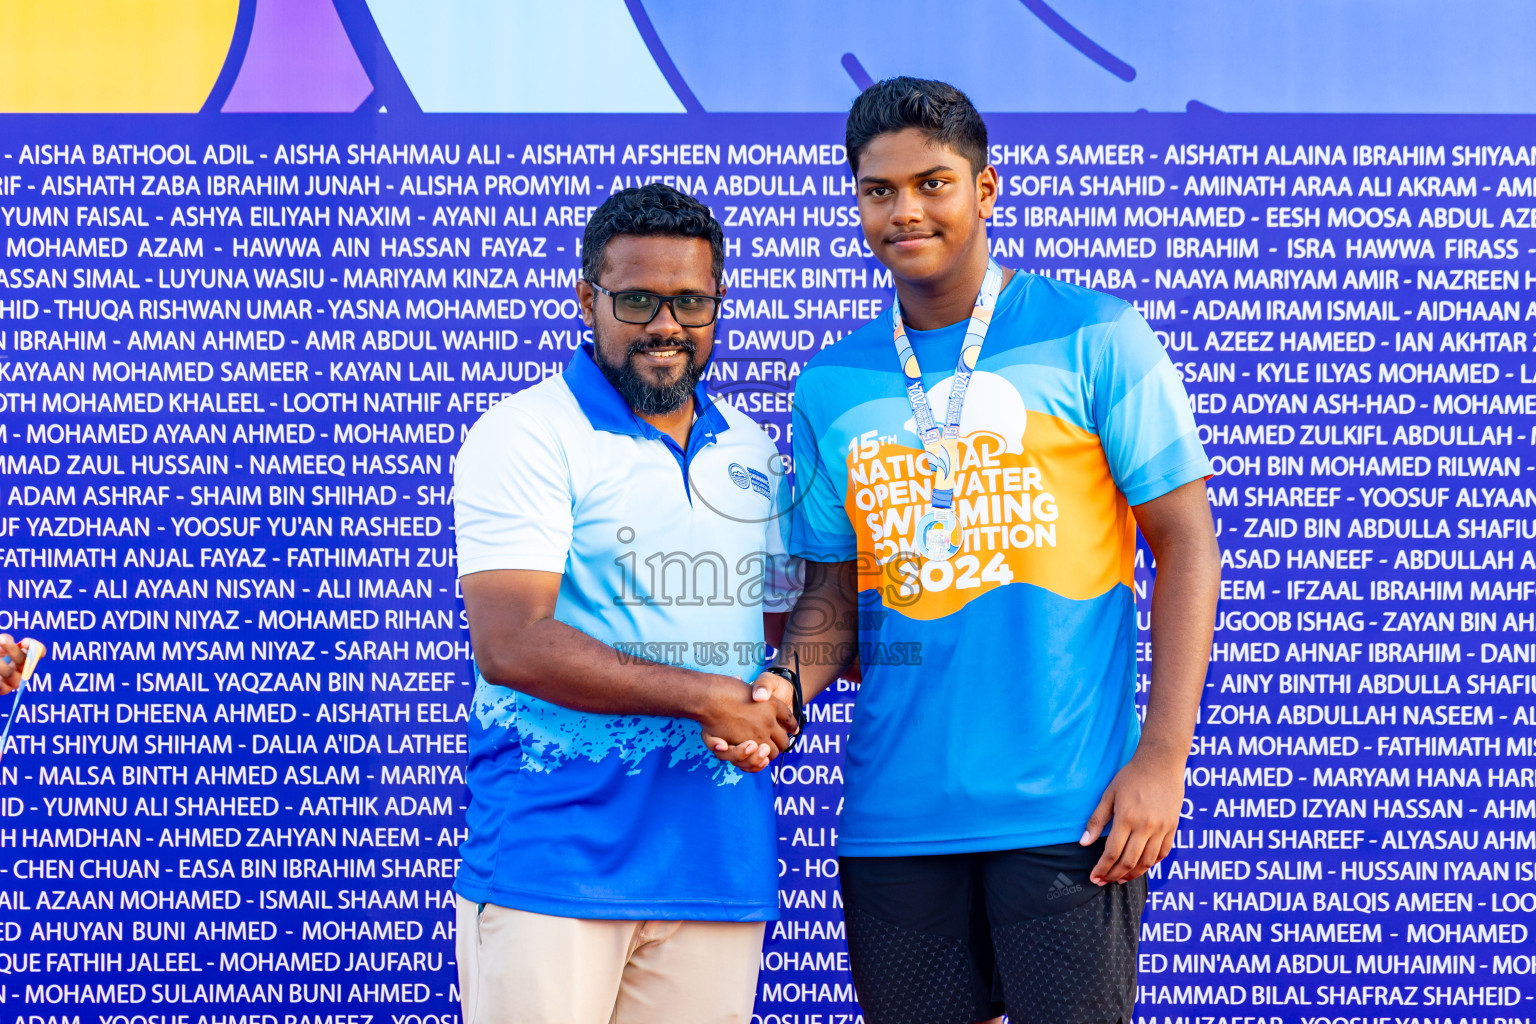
x: 941, y: 456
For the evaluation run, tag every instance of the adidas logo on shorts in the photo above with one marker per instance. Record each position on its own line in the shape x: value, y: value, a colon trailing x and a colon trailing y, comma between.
x: 1063, y: 886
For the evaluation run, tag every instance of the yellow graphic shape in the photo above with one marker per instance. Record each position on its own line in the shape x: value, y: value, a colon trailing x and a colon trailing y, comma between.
x: 1050, y: 515
x: 111, y: 56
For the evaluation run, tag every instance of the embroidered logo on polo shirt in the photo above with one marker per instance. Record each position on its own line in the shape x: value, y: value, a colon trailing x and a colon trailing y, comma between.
x: 739, y: 475
x: 759, y: 482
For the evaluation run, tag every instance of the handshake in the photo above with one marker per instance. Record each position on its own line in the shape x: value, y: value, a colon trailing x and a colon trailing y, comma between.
x: 750, y: 726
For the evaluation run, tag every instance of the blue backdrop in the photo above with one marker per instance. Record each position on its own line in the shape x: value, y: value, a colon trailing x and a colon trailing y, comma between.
x: 239, y: 354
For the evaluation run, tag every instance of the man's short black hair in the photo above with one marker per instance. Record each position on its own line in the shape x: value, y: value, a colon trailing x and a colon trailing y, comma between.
x: 654, y: 209
x: 944, y: 114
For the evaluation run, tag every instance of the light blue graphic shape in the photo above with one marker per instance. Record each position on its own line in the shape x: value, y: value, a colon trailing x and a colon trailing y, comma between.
x: 523, y: 56
x: 1321, y: 56
x: 1280, y: 56
x: 493, y: 706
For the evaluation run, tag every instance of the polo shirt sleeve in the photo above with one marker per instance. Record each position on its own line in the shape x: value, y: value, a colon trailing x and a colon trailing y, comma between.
x: 512, y: 496
x: 819, y: 526
x: 1142, y: 413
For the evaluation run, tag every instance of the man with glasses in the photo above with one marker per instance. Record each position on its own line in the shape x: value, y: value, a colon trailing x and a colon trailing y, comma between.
x: 618, y: 531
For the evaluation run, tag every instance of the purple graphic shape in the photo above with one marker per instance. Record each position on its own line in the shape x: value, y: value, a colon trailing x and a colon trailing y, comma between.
x: 1087, y: 47
x: 299, y: 60
x: 856, y: 72
x: 662, y: 58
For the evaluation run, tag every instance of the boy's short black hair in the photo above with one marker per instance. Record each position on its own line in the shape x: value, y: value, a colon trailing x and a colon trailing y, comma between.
x: 937, y: 109
x: 654, y: 209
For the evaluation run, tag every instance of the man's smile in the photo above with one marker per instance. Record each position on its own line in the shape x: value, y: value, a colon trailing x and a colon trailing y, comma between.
x: 662, y: 355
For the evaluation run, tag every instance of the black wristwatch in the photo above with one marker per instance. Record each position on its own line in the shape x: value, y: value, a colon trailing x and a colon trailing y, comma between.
x: 793, y: 676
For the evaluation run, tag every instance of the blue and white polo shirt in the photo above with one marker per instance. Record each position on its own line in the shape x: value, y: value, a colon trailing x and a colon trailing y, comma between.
x: 666, y: 554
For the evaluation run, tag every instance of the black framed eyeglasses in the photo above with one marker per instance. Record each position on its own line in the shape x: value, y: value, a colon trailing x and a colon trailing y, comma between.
x: 633, y: 307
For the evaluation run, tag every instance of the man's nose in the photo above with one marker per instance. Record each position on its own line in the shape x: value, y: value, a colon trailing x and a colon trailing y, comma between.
x: 908, y: 208
x: 664, y: 324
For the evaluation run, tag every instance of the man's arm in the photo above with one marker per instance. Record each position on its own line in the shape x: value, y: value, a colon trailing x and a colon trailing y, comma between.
x: 822, y: 632
x: 518, y: 643
x: 1146, y: 797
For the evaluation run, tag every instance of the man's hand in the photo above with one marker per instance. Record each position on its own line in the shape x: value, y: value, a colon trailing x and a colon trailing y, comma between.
x: 1144, y: 799
x: 12, y: 658
x: 749, y: 755
x: 748, y: 730
x: 518, y: 643
x: 826, y: 616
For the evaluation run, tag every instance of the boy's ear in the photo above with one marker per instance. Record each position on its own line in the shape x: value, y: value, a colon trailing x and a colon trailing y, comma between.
x: 988, y: 188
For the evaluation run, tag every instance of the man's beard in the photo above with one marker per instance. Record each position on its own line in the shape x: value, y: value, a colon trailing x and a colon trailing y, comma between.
x: 642, y: 394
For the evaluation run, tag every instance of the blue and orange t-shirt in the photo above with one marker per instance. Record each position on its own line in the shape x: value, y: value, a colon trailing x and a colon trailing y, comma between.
x: 1019, y: 705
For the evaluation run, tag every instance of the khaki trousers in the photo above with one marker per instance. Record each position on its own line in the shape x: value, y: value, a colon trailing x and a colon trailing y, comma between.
x: 518, y: 967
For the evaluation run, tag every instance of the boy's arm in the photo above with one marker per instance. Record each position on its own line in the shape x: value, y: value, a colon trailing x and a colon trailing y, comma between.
x: 823, y: 632
x: 1145, y: 798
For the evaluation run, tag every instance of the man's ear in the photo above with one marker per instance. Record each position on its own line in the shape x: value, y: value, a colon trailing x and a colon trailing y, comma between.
x: 988, y: 188
x: 585, y: 296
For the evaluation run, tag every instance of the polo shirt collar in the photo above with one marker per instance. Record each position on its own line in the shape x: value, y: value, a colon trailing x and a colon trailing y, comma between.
x: 607, y: 410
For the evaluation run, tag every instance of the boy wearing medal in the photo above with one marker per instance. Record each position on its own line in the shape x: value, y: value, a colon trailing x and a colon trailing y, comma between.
x: 971, y: 469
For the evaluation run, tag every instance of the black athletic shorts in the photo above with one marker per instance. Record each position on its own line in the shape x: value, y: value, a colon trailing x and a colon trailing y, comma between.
x: 958, y: 938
